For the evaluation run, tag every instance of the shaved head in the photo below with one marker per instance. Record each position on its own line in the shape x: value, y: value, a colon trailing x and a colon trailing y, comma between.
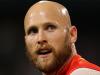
x: 48, y: 9
x: 49, y: 36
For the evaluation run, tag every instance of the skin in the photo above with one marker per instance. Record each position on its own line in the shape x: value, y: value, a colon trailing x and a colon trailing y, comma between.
x: 47, y: 25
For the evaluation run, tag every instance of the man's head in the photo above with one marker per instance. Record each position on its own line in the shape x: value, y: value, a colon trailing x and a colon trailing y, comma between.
x: 49, y: 36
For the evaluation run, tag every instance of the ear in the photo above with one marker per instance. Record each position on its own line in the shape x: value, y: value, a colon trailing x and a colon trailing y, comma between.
x: 73, y: 34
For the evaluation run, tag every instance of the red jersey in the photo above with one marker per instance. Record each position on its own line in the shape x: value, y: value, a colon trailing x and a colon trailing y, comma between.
x: 79, y: 66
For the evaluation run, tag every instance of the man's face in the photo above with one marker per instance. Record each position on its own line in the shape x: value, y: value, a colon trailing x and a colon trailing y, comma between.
x: 47, y: 40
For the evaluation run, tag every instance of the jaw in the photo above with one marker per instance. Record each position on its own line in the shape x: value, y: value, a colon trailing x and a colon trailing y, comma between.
x: 46, y: 64
x: 50, y: 64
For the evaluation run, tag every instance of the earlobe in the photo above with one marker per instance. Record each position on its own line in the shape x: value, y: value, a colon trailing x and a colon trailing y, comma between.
x: 73, y: 34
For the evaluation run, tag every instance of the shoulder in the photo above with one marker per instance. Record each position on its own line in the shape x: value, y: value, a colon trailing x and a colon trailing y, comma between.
x: 82, y: 63
x: 80, y: 66
x: 85, y: 71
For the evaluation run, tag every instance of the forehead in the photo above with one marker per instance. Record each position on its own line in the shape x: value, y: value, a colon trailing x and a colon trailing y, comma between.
x: 40, y: 14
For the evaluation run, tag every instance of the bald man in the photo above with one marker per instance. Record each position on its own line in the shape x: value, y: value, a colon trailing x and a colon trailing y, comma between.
x: 50, y: 41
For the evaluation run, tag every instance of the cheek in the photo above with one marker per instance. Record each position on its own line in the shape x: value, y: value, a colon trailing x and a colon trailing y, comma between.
x: 57, y: 39
x: 30, y: 43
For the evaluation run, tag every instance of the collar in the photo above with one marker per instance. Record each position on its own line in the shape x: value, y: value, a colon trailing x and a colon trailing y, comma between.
x: 67, y: 66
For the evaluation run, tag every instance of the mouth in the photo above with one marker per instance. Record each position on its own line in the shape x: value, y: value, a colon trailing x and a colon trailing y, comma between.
x: 44, y: 51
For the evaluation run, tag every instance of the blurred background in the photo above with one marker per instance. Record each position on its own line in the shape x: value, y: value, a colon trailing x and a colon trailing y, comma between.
x: 85, y: 14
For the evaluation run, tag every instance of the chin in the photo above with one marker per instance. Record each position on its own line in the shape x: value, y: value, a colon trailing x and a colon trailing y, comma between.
x: 45, y: 66
x: 48, y: 66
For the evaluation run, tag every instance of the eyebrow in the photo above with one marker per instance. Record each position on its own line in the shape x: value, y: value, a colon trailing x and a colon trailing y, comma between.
x: 49, y: 23
x: 34, y: 26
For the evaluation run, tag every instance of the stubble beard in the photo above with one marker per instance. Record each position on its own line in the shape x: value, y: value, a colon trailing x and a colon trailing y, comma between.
x: 55, y: 63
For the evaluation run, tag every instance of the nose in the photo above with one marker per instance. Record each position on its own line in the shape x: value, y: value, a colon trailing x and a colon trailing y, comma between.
x: 41, y: 38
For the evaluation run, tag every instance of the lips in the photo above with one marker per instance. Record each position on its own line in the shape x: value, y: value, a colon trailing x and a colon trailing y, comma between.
x: 44, y: 51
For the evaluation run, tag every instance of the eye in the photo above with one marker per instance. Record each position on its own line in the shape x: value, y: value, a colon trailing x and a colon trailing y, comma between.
x: 33, y: 30
x: 50, y: 27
